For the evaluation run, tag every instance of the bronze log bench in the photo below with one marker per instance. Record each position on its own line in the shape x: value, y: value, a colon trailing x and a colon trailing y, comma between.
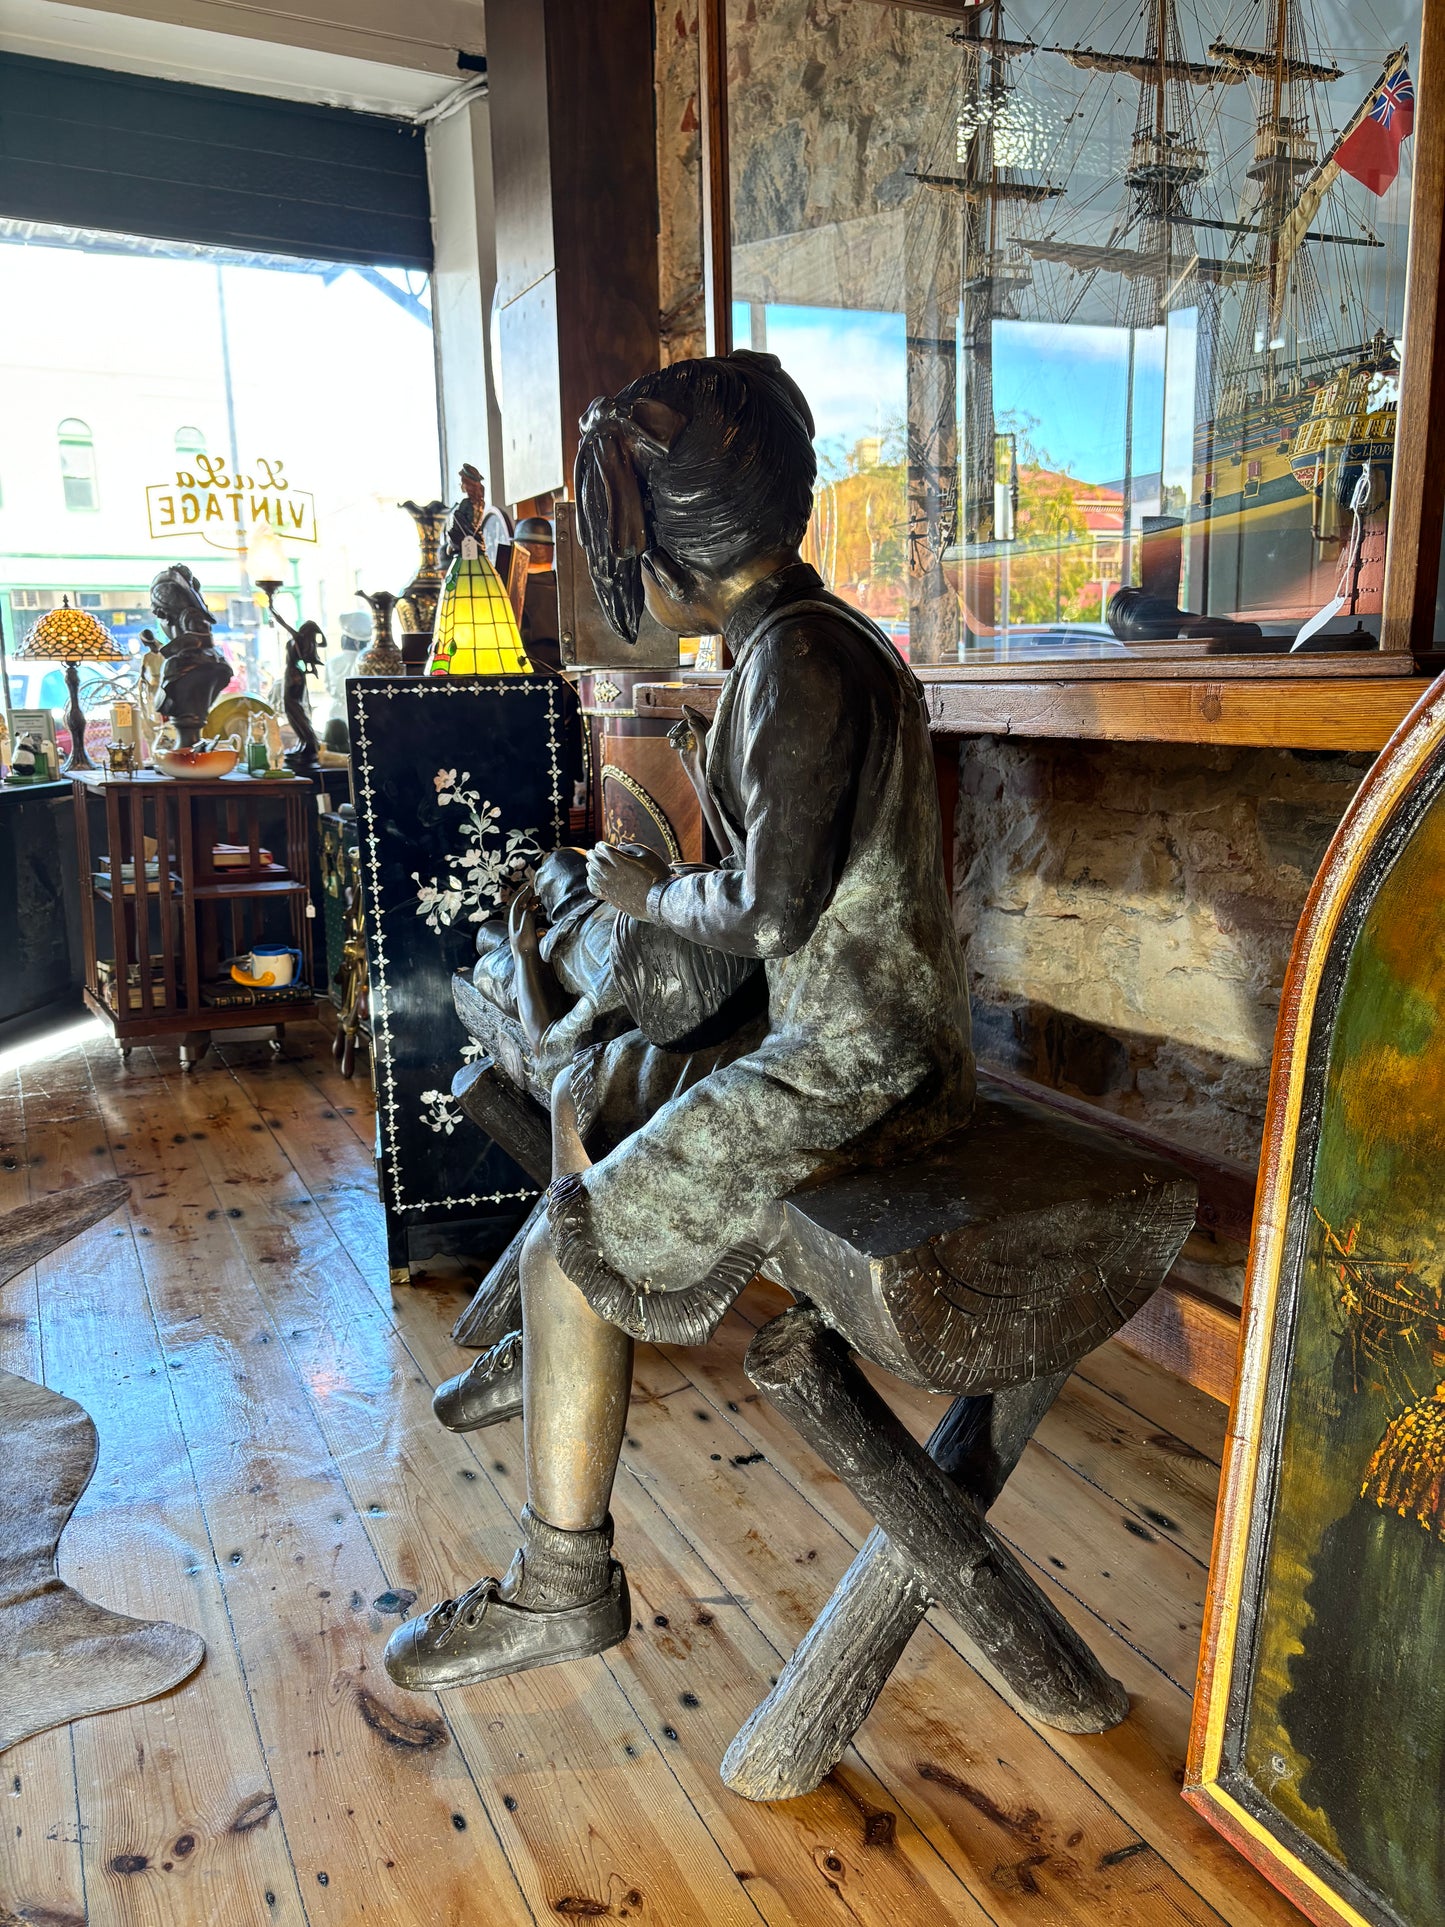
x: 988, y: 1267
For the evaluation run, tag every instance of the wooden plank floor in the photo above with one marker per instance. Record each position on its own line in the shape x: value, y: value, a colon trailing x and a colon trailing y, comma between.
x: 270, y: 1474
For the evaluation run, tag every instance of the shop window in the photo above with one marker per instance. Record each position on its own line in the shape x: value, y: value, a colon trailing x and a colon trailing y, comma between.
x: 1048, y: 272
x: 196, y: 336
x: 77, y: 465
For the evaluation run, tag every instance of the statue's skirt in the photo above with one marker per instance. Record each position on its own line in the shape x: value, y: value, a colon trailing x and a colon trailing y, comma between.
x: 694, y: 1153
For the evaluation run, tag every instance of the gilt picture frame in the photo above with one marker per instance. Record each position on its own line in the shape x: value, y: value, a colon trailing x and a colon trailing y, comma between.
x: 1318, y: 1741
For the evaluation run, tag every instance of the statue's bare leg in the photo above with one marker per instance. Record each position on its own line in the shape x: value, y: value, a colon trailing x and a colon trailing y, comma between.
x: 563, y: 1596
x: 576, y: 1371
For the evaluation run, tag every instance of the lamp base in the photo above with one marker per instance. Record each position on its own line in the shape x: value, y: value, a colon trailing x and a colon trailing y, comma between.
x: 77, y: 760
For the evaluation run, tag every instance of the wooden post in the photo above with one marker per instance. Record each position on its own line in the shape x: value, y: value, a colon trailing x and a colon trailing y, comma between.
x: 717, y: 235
x: 1417, y: 489
x: 930, y: 293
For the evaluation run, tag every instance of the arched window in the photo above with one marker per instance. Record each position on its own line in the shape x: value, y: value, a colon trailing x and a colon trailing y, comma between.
x: 190, y: 441
x: 77, y: 464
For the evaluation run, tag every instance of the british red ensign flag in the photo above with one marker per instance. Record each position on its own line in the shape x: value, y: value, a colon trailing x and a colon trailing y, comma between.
x: 1370, y: 151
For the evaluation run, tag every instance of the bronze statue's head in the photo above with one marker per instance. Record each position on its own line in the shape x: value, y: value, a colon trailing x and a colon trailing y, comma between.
x: 696, y: 471
x: 561, y: 883
x: 177, y: 602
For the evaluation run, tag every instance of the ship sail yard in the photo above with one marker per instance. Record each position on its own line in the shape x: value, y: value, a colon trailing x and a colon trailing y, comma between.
x: 1228, y: 195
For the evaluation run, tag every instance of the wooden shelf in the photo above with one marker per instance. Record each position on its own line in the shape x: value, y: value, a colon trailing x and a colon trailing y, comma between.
x: 158, y: 1023
x: 150, y: 888
x: 239, y: 887
x: 177, y: 930
x: 1356, y: 703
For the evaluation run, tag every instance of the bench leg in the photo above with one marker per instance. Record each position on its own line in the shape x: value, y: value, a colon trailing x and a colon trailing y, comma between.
x: 936, y: 1533
x: 828, y: 1688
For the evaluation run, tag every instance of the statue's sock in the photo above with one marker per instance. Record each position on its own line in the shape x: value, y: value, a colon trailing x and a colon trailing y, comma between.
x: 553, y: 1569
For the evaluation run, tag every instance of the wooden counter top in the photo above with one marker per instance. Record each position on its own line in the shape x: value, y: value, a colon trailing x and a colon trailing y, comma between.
x: 1355, y: 703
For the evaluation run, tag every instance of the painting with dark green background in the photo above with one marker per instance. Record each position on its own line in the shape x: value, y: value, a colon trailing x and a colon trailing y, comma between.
x: 1343, y: 1730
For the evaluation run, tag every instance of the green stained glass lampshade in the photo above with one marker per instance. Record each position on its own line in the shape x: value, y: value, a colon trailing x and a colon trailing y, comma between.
x: 475, y: 633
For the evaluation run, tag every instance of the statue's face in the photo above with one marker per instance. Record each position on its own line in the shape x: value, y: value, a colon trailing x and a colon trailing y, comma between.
x: 670, y: 600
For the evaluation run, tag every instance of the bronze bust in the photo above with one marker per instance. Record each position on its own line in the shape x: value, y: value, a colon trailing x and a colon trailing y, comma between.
x: 694, y: 488
x: 194, y: 671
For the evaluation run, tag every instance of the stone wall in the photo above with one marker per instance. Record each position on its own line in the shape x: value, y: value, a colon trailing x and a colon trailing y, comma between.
x: 831, y: 104
x: 1129, y: 910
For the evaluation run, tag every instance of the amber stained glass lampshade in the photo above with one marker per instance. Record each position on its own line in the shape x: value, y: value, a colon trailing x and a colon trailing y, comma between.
x: 476, y: 632
x: 69, y: 635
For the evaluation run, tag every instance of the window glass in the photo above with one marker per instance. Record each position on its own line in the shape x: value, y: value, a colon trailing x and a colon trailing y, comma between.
x: 224, y: 394
x: 1087, y: 299
x: 77, y: 465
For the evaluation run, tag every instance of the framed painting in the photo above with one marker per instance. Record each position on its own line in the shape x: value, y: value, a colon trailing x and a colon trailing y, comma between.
x: 1318, y: 1744
x: 461, y: 783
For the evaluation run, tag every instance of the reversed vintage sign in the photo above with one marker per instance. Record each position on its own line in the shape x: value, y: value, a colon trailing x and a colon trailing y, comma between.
x: 213, y: 505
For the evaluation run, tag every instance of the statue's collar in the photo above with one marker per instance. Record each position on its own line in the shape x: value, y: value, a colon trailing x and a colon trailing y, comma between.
x: 792, y: 584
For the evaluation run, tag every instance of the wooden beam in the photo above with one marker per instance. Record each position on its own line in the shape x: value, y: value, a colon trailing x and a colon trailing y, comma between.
x: 1417, y: 490
x: 1226, y: 705
x: 1190, y: 1336
x: 1262, y: 713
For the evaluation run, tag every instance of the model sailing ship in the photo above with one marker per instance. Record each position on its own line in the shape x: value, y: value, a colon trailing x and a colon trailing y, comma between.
x: 1296, y: 378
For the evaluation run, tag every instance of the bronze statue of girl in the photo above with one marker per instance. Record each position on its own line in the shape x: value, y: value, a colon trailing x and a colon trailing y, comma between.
x: 694, y: 488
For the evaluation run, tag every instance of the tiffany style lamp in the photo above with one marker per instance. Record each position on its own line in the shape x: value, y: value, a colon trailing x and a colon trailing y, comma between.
x: 476, y: 632
x: 71, y: 636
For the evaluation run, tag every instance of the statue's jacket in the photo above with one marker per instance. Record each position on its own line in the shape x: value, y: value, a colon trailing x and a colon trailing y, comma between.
x: 820, y: 764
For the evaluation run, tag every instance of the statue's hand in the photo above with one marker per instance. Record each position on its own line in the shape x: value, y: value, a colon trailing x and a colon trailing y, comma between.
x: 689, y: 739
x: 521, y: 925
x: 622, y: 876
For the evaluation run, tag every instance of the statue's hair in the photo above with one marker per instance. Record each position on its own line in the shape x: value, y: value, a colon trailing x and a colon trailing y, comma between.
x: 176, y: 592
x: 702, y: 465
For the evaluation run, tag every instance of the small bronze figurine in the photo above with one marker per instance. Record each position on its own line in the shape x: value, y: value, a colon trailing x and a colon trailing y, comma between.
x: 302, y: 659
x: 694, y: 487
x: 195, y: 672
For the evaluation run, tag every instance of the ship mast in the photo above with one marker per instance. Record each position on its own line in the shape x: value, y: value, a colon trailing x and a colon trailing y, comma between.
x: 1167, y: 161
x: 1284, y: 154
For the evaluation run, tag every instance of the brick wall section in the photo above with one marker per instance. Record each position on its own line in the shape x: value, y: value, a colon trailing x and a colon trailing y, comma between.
x: 1129, y: 910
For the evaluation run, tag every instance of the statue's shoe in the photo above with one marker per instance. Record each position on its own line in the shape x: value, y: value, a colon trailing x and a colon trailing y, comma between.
x: 488, y: 1392
x: 483, y: 1636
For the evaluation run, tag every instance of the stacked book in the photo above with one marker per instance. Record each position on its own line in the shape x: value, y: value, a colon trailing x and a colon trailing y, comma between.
x: 102, y: 876
x: 237, y: 856
x: 106, y: 983
x: 226, y: 994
